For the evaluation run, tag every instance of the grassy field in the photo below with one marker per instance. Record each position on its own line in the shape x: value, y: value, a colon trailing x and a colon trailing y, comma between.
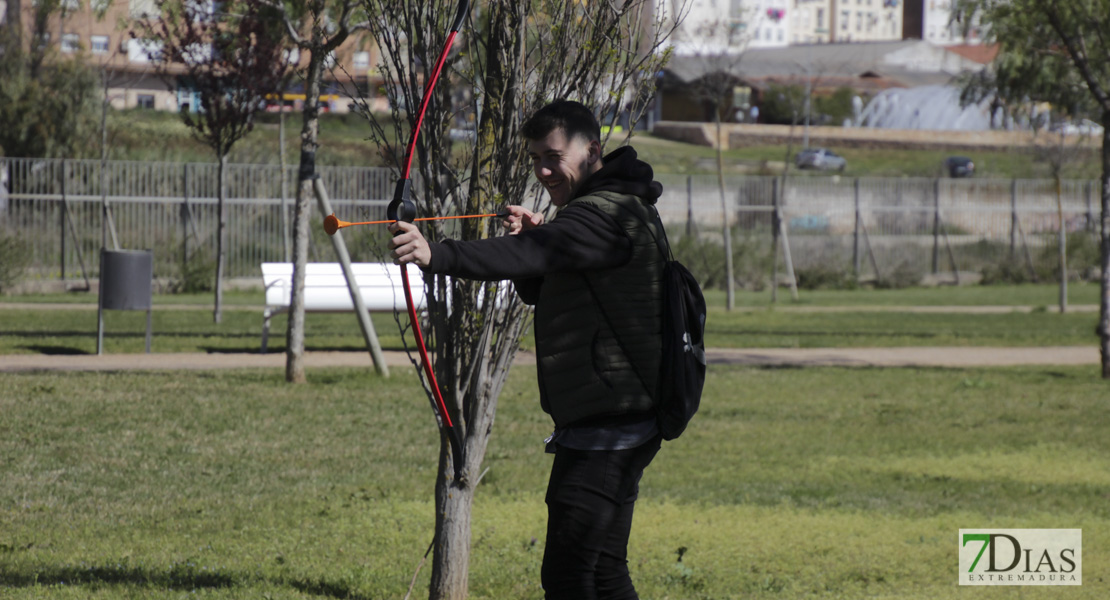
x: 160, y: 136
x: 791, y: 483
x: 183, y: 323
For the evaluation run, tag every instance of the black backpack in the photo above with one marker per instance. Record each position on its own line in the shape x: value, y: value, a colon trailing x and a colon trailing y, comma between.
x: 682, y: 368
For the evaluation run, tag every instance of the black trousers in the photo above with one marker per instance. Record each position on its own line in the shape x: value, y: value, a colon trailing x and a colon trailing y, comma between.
x: 589, y: 515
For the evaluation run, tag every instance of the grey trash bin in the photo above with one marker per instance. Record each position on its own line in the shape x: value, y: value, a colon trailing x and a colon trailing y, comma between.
x: 125, y: 277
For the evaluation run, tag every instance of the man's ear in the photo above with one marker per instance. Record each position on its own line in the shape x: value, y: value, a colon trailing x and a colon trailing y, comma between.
x: 594, y: 152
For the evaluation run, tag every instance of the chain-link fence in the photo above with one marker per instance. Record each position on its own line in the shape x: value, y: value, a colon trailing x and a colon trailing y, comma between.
x: 872, y: 226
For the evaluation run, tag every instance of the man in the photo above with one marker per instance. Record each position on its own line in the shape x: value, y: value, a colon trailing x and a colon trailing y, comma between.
x: 594, y: 274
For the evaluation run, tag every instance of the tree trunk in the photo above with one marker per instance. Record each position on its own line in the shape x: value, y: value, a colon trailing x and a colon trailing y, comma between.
x: 221, y: 236
x: 1104, y: 234
x: 294, y: 344
x: 726, y: 229
x: 451, y: 556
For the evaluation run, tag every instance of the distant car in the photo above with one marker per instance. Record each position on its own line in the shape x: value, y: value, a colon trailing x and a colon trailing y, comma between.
x: 820, y: 159
x: 959, y: 166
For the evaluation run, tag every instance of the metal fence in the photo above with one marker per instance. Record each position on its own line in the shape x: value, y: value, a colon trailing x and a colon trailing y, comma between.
x: 884, y: 224
x: 880, y: 225
x: 56, y: 207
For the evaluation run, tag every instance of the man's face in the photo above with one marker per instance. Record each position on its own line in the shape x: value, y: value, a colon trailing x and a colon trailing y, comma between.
x: 562, y: 164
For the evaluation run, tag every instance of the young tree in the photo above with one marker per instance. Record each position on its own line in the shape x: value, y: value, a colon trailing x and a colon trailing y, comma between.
x: 719, y: 49
x: 516, y: 57
x: 316, y: 28
x: 1056, y: 51
x: 233, y: 58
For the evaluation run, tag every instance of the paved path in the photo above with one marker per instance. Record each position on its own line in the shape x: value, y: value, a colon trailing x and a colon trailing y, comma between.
x: 851, y: 357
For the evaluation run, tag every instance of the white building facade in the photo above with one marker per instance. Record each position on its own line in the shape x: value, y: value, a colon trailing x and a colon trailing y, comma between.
x: 730, y: 26
x: 939, y: 28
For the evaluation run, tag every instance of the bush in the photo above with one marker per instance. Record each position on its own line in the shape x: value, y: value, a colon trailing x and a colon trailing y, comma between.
x: 15, y: 258
x: 704, y: 255
x: 905, y: 275
x: 197, y: 274
x: 824, y: 276
x: 1083, y: 262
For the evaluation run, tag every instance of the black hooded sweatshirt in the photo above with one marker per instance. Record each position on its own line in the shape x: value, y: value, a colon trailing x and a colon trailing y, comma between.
x: 580, y: 239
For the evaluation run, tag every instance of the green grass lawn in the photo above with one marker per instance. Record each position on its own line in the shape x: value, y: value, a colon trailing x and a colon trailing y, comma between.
x: 791, y: 483
x: 161, y: 136
x: 1032, y: 295
x: 757, y: 325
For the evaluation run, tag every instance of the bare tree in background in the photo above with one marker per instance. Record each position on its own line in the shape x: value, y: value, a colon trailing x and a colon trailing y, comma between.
x: 515, y: 57
x: 719, y: 51
x: 316, y: 29
x: 233, y: 59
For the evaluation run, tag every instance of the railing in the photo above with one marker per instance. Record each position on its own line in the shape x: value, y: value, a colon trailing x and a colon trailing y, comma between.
x: 928, y: 224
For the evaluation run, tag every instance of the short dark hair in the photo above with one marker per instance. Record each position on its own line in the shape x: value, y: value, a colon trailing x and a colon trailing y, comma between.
x: 570, y: 116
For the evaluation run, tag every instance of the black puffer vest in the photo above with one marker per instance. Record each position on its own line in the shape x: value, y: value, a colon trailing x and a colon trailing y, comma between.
x: 585, y: 375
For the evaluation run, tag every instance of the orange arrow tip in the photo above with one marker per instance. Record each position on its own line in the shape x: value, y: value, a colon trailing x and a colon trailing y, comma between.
x: 332, y: 224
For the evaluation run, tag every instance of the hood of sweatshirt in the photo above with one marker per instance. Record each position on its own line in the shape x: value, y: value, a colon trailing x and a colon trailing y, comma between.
x: 623, y: 173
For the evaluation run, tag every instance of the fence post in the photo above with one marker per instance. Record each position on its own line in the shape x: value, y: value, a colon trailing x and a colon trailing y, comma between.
x: 184, y: 217
x: 774, y: 239
x: 1013, y: 218
x: 1090, y: 213
x: 936, y: 226
x: 689, y: 205
x: 62, y: 220
x: 855, y: 233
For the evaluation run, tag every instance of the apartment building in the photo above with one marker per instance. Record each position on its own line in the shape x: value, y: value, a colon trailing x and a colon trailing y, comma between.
x: 96, y: 30
x: 932, y: 21
x: 726, y: 26
x: 810, y: 21
x: 865, y: 20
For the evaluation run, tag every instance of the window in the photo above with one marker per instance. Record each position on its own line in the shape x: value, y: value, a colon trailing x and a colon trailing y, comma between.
x: 820, y: 18
x: 362, y: 60
x: 99, y: 6
x: 71, y: 42
x: 144, y: 51
x: 71, y: 5
x: 99, y: 44
x: 145, y: 101
x: 859, y: 21
x: 845, y: 16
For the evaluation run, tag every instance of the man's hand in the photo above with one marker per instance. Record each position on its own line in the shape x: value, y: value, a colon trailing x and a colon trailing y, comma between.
x: 409, y: 246
x: 521, y: 219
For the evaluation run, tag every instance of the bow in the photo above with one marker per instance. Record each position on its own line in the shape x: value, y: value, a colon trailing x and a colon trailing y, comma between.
x: 402, y: 208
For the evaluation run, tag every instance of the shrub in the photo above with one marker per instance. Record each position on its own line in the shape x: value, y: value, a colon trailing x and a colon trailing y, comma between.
x: 824, y: 275
x: 905, y: 275
x: 15, y: 257
x: 197, y: 274
x: 704, y: 255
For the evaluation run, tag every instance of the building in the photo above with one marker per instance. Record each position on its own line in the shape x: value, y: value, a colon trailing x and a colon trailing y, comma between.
x: 866, y: 68
x: 712, y: 27
x: 92, y: 28
x: 810, y: 21
x: 865, y: 20
x: 932, y: 21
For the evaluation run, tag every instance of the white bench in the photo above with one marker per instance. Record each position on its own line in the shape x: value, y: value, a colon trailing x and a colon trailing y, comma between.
x: 325, y: 289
